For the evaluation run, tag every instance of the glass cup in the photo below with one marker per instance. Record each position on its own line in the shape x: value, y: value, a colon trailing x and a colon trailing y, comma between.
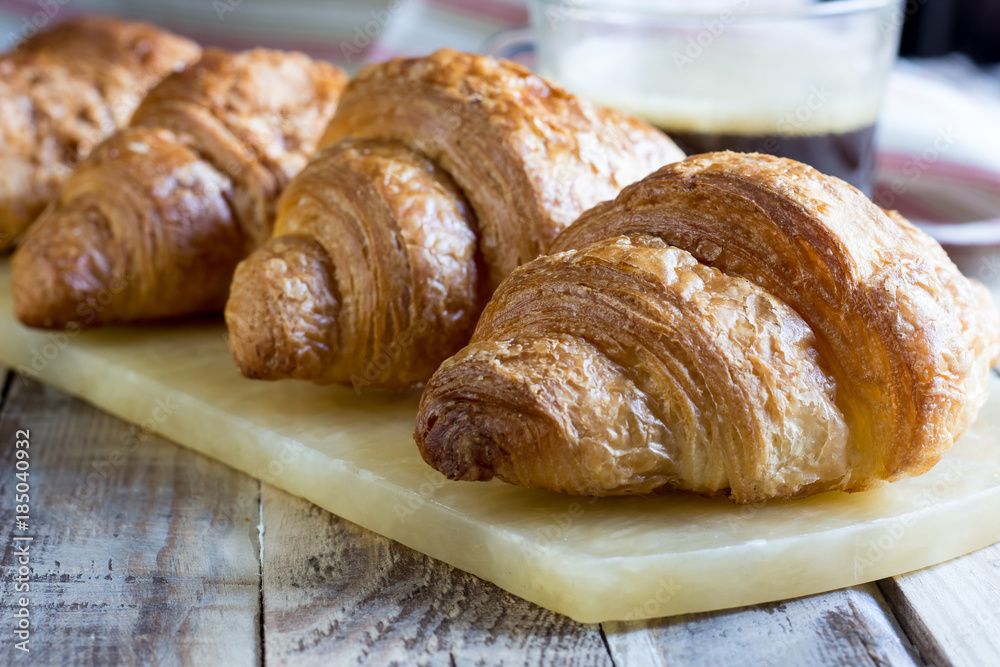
x: 796, y: 78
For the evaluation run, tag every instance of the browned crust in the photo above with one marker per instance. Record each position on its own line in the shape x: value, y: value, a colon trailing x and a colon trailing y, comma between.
x: 61, y: 93
x: 905, y: 338
x: 889, y: 327
x: 161, y: 240
x: 628, y: 367
x: 529, y: 156
x: 257, y: 115
x: 175, y: 201
x: 372, y: 277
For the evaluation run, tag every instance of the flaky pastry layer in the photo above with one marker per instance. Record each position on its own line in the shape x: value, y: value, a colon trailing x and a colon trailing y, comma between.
x: 760, y: 329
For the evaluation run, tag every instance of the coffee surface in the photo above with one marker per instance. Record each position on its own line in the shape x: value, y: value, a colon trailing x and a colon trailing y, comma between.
x: 847, y: 155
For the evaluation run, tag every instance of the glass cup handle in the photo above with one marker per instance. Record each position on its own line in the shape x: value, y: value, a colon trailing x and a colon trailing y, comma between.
x: 512, y: 44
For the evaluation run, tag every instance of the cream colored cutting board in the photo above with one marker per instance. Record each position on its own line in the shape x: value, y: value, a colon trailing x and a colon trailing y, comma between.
x: 611, y: 559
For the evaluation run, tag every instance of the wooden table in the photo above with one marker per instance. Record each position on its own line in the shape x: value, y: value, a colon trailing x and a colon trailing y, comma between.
x: 163, y: 556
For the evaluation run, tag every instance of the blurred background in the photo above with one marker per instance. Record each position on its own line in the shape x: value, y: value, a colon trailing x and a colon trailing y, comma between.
x: 938, y: 136
x: 334, y: 29
x: 938, y: 27
x: 348, y: 32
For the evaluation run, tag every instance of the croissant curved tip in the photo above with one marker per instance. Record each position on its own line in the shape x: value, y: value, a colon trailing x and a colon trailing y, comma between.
x: 253, y: 336
x: 63, y: 279
x: 455, y: 447
x: 282, y: 309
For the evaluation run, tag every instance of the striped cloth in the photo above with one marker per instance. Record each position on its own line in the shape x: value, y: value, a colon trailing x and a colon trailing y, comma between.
x: 939, y: 135
x: 939, y: 140
x: 348, y: 32
x: 939, y: 158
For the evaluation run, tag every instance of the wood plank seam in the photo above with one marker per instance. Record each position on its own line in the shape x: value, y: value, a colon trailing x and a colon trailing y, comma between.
x: 607, y: 645
x: 336, y: 593
x: 915, y: 631
x: 260, y: 561
x: 178, y: 584
x: 910, y: 622
x: 851, y: 626
x: 8, y: 380
x: 911, y: 648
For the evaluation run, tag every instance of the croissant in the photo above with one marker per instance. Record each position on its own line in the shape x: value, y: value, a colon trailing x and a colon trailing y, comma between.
x: 61, y: 93
x: 440, y: 175
x: 733, y: 323
x: 153, y: 223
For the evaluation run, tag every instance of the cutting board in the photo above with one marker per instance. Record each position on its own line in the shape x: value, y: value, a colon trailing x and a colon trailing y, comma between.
x: 594, y: 560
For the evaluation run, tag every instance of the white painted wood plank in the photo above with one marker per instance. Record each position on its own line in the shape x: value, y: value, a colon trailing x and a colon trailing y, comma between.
x: 952, y: 611
x: 845, y: 628
x: 335, y: 593
x: 354, y: 456
x: 143, y: 552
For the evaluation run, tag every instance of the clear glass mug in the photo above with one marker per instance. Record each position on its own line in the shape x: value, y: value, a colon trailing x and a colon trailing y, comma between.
x: 797, y: 78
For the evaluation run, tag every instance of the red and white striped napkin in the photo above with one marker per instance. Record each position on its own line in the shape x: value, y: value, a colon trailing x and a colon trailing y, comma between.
x: 939, y: 134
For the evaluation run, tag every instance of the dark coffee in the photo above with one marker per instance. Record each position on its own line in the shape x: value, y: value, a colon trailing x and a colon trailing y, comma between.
x: 846, y: 155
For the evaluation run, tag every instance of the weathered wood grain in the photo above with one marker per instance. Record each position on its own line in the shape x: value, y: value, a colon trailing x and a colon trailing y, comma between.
x: 845, y: 628
x: 335, y: 593
x: 5, y: 379
x: 951, y: 611
x: 143, y: 552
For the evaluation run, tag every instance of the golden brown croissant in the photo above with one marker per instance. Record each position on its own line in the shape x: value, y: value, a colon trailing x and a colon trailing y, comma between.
x: 61, y: 93
x: 153, y: 223
x: 379, y: 264
x: 375, y: 258
x: 732, y: 323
